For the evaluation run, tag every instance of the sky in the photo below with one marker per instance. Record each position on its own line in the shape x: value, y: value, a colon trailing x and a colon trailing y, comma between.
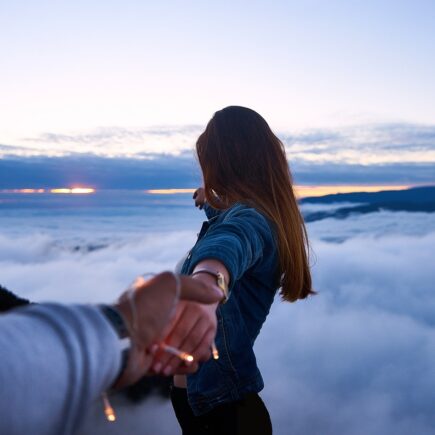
x: 341, y: 83
x: 114, y: 94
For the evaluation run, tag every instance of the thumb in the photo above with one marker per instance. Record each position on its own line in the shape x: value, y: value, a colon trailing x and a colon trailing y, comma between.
x: 198, y: 291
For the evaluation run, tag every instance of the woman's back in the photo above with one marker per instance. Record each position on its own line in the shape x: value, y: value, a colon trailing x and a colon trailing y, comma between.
x: 259, y: 243
x: 242, y: 239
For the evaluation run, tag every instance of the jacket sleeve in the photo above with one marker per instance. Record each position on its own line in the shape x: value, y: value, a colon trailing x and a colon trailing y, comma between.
x: 55, y: 360
x: 238, y: 242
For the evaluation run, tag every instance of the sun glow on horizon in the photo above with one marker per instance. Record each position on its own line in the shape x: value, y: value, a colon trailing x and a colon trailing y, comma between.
x: 74, y: 190
x: 301, y: 191
x: 22, y: 191
x: 64, y: 190
x: 304, y: 191
x: 169, y: 191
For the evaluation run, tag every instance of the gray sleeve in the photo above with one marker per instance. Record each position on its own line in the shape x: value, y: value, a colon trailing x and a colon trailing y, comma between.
x: 55, y: 360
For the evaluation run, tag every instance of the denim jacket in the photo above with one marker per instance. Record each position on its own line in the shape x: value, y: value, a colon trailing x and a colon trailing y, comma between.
x: 244, y: 241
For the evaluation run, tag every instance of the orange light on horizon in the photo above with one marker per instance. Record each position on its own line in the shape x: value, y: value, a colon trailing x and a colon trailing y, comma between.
x: 300, y: 190
x: 74, y: 190
x: 305, y: 191
x: 22, y: 191
x: 169, y: 191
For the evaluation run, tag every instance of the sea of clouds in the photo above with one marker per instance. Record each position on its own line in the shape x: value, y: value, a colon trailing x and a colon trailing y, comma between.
x: 358, y: 358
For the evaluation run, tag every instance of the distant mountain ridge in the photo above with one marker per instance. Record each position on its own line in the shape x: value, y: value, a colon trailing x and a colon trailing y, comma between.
x: 416, y: 199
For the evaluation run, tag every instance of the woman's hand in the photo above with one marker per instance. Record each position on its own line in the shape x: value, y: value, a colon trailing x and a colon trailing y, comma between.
x: 199, y: 197
x: 193, y: 331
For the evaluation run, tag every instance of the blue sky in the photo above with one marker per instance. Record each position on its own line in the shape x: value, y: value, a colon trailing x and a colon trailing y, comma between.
x: 75, y: 69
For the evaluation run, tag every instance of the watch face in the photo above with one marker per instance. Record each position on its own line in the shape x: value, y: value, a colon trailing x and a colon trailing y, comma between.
x: 222, y: 285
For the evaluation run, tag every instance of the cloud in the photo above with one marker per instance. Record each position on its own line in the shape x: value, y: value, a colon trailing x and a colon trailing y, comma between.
x: 385, y: 143
x: 356, y: 359
x: 45, y: 268
x: 359, y: 357
x: 116, y: 134
x: 133, y: 158
x: 378, y: 225
x: 343, y: 173
x: 162, y: 171
x: 118, y: 141
x: 154, y: 171
x: 385, y: 135
x: 398, y: 143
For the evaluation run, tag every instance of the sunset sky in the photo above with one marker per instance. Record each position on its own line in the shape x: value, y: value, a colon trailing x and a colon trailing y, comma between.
x: 101, y: 104
x: 345, y: 85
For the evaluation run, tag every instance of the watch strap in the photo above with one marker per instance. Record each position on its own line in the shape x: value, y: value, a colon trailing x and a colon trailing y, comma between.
x: 220, y: 281
x: 116, y: 320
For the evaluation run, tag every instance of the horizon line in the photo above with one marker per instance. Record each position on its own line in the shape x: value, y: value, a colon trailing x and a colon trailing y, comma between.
x: 301, y: 191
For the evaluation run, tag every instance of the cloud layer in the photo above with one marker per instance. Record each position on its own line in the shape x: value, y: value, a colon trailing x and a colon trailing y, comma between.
x: 133, y: 158
x: 156, y: 171
x: 360, y: 144
x: 159, y: 171
x: 365, y: 144
x: 358, y: 358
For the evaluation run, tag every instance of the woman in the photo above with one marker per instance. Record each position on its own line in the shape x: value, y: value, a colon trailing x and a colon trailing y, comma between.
x: 255, y: 239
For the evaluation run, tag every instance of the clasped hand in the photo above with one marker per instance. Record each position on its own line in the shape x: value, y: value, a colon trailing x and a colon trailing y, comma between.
x: 188, y: 324
x: 192, y: 330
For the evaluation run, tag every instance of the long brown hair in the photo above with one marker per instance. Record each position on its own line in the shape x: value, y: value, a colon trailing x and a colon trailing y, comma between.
x: 243, y: 161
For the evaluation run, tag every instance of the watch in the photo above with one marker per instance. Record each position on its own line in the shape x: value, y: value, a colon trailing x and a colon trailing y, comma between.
x: 220, y: 281
x: 118, y: 323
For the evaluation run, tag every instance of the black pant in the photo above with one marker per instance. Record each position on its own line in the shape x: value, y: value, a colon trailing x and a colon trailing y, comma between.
x: 246, y: 416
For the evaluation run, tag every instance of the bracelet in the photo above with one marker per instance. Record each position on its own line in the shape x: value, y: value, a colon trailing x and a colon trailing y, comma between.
x: 115, y: 319
x: 220, y: 281
x: 118, y: 323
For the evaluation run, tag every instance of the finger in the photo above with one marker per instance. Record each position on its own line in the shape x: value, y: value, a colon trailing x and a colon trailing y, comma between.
x: 199, y: 202
x: 196, y: 290
x: 171, y: 363
x: 202, y: 352
x: 158, y: 351
x: 191, y: 342
x: 184, y: 329
x: 169, y: 367
x: 155, y: 359
x: 195, y: 337
x: 167, y: 330
x: 195, y: 194
x: 139, y: 362
x: 186, y: 370
x: 181, y: 329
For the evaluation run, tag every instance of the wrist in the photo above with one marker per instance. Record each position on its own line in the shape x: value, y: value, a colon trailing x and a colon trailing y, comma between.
x: 215, y: 278
x: 117, y: 320
x: 124, y: 310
